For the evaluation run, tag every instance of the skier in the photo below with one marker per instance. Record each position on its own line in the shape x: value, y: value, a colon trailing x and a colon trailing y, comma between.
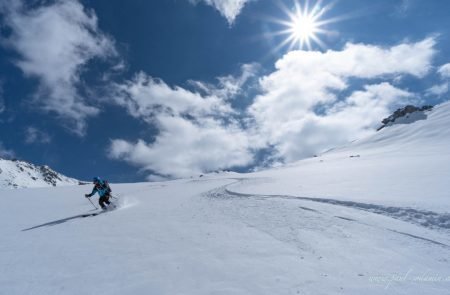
x: 102, y: 188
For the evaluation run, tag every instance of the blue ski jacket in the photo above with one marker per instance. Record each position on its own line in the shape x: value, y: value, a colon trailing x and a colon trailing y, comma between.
x: 102, y: 188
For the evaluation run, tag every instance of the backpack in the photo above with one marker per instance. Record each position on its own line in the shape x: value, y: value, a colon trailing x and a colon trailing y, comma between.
x: 104, y: 186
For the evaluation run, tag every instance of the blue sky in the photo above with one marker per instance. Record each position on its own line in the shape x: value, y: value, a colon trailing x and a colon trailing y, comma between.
x: 147, y: 90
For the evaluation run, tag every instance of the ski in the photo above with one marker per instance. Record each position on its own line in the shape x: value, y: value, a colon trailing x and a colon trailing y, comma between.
x: 111, y: 207
x: 92, y: 214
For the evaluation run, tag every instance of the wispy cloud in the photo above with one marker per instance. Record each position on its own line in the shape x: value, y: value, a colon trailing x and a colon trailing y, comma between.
x: 438, y: 90
x: 444, y: 71
x: 146, y: 97
x: 34, y: 135
x: 230, y: 86
x: 403, y: 7
x: 55, y: 42
x: 444, y: 86
x: 229, y: 9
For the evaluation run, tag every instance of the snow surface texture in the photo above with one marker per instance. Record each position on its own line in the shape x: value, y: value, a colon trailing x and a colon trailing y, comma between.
x: 193, y: 237
x: 20, y: 174
x: 368, y: 218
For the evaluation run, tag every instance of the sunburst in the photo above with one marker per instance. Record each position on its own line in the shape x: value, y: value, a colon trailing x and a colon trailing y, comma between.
x: 304, y: 25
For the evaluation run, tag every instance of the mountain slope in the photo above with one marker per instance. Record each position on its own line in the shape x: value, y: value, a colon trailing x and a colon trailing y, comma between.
x: 20, y: 174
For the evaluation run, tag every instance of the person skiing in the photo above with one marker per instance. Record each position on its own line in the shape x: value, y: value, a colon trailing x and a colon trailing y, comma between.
x: 104, y: 191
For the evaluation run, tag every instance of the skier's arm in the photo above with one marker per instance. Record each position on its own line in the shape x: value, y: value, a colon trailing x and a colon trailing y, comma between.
x: 94, y: 190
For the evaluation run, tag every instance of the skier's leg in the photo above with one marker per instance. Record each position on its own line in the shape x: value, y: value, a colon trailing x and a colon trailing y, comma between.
x: 101, y: 202
x: 111, y: 205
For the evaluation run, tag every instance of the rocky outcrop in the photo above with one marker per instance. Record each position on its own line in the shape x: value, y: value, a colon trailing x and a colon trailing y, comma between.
x: 405, y: 113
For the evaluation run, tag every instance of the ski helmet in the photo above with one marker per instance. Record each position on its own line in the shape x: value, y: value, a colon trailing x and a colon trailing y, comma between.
x: 96, y: 179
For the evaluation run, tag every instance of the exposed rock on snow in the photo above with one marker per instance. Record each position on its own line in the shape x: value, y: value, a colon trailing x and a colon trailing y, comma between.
x: 406, y: 115
x: 21, y: 174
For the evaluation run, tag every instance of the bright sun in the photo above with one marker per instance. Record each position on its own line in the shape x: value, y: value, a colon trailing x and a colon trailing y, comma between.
x: 304, y: 25
x: 304, y: 28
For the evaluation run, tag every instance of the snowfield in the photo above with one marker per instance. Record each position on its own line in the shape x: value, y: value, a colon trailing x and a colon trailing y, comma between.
x: 369, y: 218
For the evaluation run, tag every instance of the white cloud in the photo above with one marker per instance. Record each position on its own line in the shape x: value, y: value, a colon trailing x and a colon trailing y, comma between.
x: 300, y: 111
x: 34, y: 135
x: 306, y: 105
x: 353, y: 118
x: 55, y: 42
x: 444, y: 86
x: 444, y: 71
x: 230, y: 86
x: 147, y: 97
x: 229, y: 9
x: 196, y: 133
x: 438, y: 90
x: 184, y: 147
x: 6, y: 153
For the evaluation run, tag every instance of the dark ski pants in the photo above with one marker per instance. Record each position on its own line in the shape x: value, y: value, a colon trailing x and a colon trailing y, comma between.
x: 104, y: 200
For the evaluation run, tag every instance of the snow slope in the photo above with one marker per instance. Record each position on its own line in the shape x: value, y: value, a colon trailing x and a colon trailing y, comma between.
x: 20, y: 174
x: 404, y: 165
x: 368, y: 218
x: 192, y: 237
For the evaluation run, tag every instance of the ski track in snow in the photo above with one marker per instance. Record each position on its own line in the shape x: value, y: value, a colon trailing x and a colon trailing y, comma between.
x: 429, y: 219
x: 426, y: 219
x: 315, y: 227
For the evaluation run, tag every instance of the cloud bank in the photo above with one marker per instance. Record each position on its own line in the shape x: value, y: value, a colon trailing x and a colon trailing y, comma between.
x: 197, y: 133
x: 302, y: 109
x: 309, y: 103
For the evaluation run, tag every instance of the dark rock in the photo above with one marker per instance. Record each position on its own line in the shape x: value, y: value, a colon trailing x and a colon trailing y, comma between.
x: 402, y: 112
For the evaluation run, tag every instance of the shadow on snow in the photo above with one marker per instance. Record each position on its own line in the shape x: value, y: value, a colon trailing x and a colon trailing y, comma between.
x: 60, y: 221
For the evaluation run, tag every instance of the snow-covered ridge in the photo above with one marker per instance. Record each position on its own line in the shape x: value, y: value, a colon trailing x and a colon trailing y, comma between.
x: 21, y: 174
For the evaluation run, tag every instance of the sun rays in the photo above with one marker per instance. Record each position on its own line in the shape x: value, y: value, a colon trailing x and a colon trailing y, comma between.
x: 304, y: 25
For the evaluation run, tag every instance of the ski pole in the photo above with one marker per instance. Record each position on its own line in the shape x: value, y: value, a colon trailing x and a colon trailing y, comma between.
x: 91, y: 203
